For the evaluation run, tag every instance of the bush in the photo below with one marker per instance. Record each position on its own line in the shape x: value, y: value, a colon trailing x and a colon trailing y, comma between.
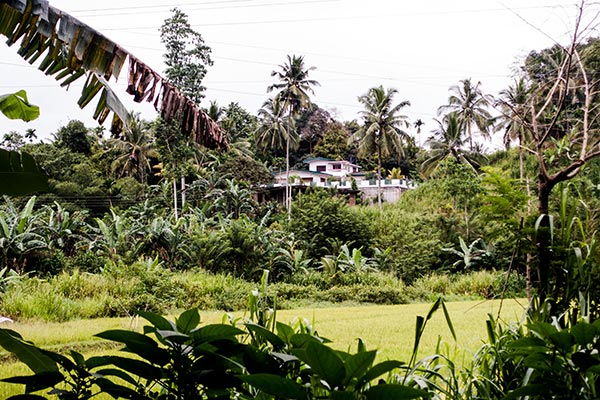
x: 49, y: 262
x: 413, y: 239
x: 323, y: 223
x: 87, y: 261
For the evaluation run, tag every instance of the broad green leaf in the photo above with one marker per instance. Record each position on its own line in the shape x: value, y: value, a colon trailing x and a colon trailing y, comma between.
x: 284, y: 331
x: 27, y: 353
x: 157, y: 320
x: 37, y: 382
x: 117, y: 391
x: 266, y: 334
x: 395, y: 392
x: 378, y: 370
x: 538, y: 390
x: 539, y: 361
x: 188, y: 320
x: 302, y: 339
x: 528, y: 343
x: 357, y: 364
x: 543, y: 329
x: 136, y: 367
x: 564, y: 340
x: 214, y: 332
x: 284, y: 357
x: 60, y: 360
x: 584, y: 333
x: 260, y: 362
x: 17, y: 106
x: 20, y: 175
x: 324, y: 362
x: 173, y: 337
x: 275, y: 385
x: 138, y: 344
x: 343, y: 395
x: 118, y: 373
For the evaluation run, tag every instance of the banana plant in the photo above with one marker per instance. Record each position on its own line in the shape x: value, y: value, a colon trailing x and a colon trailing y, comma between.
x: 19, y: 234
x: 470, y: 255
x: 114, y: 237
x: 354, y: 260
x: 65, y: 230
x: 168, y: 241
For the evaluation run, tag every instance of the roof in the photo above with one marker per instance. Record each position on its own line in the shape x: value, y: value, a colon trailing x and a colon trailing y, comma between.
x: 309, y: 160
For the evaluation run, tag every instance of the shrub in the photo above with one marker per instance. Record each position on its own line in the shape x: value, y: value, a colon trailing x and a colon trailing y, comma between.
x: 87, y: 261
x: 49, y: 262
x: 322, y: 224
x: 413, y: 240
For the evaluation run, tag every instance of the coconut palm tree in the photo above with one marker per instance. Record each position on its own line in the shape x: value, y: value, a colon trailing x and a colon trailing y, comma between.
x: 272, y: 132
x: 135, y: 147
x: 381, y: 131
x: 447, y: 141
x: 293, y: 94
x: 471, y: 106
x: 514, y: 109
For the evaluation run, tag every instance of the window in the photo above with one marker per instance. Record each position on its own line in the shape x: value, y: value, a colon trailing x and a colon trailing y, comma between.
x: 321, y: 168
x: 337, y: 167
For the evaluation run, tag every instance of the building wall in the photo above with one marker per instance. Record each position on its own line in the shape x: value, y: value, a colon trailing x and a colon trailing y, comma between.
x: 388, y: 194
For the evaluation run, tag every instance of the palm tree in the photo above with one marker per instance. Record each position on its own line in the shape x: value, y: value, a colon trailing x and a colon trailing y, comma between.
x: 30, y: 135
x: 272, y: 133
x: 447, y: 141
x: 135, y: 146
x: 293, y: 92
x: 514, y: 111
x: 381, y: 133
x: 471, y: 105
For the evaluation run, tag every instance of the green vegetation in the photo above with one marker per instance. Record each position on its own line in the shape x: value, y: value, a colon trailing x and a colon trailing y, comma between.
x: 173, y: 214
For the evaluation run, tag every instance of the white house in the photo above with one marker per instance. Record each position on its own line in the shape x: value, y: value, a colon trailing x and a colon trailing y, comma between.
x: 344, y: 176
x: 332, y: 167
x: 320, y: 172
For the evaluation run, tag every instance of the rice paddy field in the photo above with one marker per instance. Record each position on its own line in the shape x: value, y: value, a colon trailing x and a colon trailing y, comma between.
x: 390, y: 329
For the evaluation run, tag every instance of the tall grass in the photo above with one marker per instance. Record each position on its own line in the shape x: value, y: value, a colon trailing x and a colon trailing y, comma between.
x: 117, y: 292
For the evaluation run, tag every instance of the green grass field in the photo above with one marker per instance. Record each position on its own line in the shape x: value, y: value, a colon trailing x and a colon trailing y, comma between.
x: 390, y: 329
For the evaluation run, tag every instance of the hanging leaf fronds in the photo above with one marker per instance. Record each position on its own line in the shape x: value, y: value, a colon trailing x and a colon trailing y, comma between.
x: 69, y: 50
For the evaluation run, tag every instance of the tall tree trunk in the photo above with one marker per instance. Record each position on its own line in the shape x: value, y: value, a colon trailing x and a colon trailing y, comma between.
x: 379, y: 176
x: 470, y: 136
x: 543, y: 238
x: 175, y: 199
x: 182, y: 192
x: 288, y: 188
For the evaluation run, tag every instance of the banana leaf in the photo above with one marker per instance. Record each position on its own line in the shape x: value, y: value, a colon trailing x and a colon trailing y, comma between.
x: 20, y: 175
x: 16, y: 106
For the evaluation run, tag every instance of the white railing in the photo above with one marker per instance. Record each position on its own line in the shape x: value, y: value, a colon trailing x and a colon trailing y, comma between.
x: 385, y: 183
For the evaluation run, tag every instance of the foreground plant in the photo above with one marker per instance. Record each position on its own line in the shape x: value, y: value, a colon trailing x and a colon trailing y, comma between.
x: 182, y: 360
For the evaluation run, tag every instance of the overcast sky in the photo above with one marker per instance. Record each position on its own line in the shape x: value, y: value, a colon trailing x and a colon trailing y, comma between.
x: 421, y: 48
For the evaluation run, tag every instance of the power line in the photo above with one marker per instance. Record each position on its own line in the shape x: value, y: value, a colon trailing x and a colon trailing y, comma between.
x: 135, y: 10
x: 352, y: 17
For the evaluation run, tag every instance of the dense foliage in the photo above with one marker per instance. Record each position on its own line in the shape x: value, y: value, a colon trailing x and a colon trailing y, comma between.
x: 151, y: 221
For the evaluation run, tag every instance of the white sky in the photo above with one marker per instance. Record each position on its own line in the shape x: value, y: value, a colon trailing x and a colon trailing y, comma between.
x: 421, y: 48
